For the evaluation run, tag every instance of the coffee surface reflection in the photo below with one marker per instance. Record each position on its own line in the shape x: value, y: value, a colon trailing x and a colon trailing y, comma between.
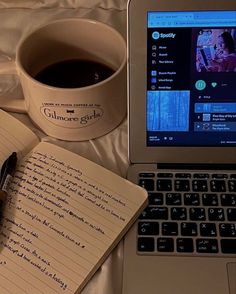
x: 74, y: 73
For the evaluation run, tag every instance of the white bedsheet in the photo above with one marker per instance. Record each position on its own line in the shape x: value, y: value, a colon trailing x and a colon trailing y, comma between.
x: 19, y: 17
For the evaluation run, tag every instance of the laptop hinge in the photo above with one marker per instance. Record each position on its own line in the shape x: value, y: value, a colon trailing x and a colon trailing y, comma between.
x: 197, y: 166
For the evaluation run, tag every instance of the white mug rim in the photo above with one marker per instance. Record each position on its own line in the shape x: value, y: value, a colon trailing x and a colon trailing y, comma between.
x: 117, y: 71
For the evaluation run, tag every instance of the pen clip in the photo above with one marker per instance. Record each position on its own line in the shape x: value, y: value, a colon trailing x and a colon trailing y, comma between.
x: 8, y: 168
x: 2, y: 174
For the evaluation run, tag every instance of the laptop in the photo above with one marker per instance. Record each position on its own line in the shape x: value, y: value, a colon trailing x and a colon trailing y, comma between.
x: 182, y: 146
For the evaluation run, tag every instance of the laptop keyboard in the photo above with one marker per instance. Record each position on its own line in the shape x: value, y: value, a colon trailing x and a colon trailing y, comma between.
x: 188, y: 214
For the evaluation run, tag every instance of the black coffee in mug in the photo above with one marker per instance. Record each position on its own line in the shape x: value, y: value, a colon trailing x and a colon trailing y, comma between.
x: 74, y: 73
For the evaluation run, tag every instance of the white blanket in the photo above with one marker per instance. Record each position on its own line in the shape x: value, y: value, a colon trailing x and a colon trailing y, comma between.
x: 18, y: 18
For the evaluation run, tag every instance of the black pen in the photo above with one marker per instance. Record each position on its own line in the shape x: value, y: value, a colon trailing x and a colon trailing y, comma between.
x: 7, y: 171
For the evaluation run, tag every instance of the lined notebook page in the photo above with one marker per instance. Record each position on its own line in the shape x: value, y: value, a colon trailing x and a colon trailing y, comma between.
x: 14, y: 136
x: 63, y: 214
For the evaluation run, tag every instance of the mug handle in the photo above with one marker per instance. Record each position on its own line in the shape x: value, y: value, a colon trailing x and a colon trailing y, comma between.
x: 10, y: 104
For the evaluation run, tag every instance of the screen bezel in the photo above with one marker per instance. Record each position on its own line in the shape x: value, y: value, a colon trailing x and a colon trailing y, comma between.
x: 137, y: 83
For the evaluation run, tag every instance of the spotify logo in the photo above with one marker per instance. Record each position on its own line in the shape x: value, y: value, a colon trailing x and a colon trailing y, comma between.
x: 155, y: 35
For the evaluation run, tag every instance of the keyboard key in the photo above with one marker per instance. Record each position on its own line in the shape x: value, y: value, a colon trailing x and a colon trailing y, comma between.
x: 227, y: 230
x: 188, y: 229
x: 228, y: 199
x: 200, y: 185
x: 164, y: 175
x: 208, y: 229
x: 146, y: 175
x: 231, y: 214
x: 217, y: 186
x: 201, y: 176
x: 182, y: 185
x: 207, y: 245
x: 152, y: 212
x: 197, y: 213
x: 155, y: 198
x: 147, y: 184
x: 169, y: 229
x: 216, y: 214
x: 178, y: 213
x: 184, y: 245
x: 232, y: 186
x: 219, y: 176
x: 164, y: 185
x: 183, y: 175
x: 173, y: 199
x: 228, y: 246
x: 148, y: 228
x: 146, y: 213
x: 210, y: 199
x: 161, y: 213
x: 191, y: 199
x: 146, y: 244
x: 165, y: 244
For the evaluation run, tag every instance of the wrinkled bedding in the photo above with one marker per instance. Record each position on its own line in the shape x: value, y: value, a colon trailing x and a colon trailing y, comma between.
x: 18, y: 18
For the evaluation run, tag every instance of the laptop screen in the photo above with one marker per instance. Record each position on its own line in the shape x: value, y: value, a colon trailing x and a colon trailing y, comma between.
x: 191, y: 78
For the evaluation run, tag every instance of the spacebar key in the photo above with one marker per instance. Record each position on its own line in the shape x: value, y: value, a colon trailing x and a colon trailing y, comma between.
x: 228, y: 246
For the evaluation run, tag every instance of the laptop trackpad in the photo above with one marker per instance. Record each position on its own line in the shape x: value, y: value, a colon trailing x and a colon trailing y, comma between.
x: 231, y: 269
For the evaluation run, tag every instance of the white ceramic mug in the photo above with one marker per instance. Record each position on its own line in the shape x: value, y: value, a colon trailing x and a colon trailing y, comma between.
x: 73, y: 114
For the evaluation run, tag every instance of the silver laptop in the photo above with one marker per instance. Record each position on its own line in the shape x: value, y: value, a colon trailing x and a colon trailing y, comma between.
x: 182, y: 146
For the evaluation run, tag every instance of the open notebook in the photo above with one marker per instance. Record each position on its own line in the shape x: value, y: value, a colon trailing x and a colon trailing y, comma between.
x: 63, y: 216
